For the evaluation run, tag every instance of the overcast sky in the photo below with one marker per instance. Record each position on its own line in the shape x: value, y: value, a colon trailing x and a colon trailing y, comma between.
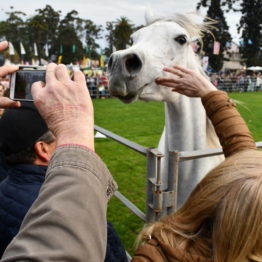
x: 101, y: 11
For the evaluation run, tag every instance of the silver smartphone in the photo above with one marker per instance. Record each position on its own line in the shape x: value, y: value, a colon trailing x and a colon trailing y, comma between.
x: 21, y: 83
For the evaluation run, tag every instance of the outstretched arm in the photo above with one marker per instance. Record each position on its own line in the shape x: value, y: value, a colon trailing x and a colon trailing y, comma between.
x: 230, y: 127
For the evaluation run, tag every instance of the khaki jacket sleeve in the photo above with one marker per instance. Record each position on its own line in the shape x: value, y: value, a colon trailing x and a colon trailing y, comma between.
x: 67, y: 222
x: 230, y: 127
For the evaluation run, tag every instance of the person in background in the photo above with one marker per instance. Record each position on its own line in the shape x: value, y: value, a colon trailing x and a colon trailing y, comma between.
x: 221, y: 219
x: 259, y: 82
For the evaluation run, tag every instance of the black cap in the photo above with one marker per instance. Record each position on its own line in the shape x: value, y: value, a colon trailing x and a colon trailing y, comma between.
x: 20, y: 128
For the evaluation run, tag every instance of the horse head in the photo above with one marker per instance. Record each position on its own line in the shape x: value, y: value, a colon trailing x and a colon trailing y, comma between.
x: 162, y: 42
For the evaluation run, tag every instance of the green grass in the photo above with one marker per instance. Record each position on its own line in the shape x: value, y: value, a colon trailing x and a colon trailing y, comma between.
x: 143, y: 123
x: 251, y: 110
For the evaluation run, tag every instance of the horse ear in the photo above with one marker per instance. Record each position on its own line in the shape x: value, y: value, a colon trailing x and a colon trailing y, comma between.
x: 149, y: 15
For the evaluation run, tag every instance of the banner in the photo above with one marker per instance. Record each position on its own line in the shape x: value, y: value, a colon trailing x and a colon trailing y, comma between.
x: 59, y: 59
x: 22, y: 49
x: 35, y: 50
x: 102, y: 61
x: 216, y: 48
x: 11, y: 49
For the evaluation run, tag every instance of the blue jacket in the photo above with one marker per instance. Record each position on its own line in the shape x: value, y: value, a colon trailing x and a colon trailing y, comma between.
x: 17, y: 193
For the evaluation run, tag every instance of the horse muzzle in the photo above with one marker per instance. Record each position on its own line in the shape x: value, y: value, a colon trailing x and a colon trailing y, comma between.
x: 123, y: 68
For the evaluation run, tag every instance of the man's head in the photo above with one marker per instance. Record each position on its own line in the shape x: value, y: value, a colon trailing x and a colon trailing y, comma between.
x: 24, y: 136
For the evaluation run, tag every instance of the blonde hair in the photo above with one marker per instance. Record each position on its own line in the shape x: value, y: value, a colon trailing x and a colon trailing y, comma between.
x: 222, y: 218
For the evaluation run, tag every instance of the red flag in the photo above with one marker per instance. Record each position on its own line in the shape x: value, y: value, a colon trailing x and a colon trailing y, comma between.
x: 216, y: 48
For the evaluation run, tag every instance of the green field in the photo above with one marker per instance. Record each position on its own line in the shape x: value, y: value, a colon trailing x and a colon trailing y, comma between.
x: 142, y: 122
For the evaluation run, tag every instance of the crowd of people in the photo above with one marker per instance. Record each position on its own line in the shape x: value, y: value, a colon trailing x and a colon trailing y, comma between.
x: 238, y: 82
x: 97, y: 85
x: 66, y: 220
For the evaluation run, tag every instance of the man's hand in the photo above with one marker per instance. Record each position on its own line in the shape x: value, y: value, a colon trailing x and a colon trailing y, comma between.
x: 5, y: 70
x: 186, y: 82
x: 66, y: 106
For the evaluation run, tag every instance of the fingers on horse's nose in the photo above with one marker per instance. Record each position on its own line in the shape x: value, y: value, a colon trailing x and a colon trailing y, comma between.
x: 132, y: 63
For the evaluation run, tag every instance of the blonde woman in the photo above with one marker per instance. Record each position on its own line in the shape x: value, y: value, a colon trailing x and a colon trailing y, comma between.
x: 221, y: 220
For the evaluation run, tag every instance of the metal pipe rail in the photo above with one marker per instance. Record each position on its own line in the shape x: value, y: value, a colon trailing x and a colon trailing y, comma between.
x: 159, y: 201
x: 140, y: 149
x: 188, y: 155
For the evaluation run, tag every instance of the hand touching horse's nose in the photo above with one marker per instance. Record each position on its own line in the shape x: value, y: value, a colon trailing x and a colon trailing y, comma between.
x: 188, y: 82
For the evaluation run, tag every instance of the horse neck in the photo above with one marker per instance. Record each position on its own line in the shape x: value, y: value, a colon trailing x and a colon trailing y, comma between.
x: 186, y: 123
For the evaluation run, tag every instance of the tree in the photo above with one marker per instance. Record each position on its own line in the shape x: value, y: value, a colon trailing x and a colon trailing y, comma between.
x: 220, y: 33
x: 119, y: 33
x: 251, y: 26
x: 69, y: 43
x: 14, y: 29
x: 122, y: 32
x: 110, y: 38
x: 92, y: 33
x: 43, y: 29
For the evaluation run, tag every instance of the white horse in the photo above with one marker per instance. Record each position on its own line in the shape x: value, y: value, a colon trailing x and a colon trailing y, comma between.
x: 132, y: 72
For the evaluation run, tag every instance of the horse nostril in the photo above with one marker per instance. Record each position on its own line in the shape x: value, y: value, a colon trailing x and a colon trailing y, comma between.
x: 133, y: 63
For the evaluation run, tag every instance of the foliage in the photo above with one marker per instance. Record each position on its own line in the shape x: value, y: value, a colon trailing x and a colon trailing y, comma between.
x: 220, y: 33
x: 14, y: 28
x: 119, y: 33
x: 251, y: 26
x: 43, y: 29
x: 72, y: 37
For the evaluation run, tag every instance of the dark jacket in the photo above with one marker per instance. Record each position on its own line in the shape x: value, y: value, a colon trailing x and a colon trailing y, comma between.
x: 17, y: 193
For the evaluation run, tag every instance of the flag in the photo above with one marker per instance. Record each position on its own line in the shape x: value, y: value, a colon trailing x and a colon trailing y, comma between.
x: 46, y: 50
x: 102, y: 61
x: 35, y: 50
x: 216, y: 48
x: 11, y: 49
x: 22, y: 49
x: 59, y: 59
x: 88, y: 62
x: 61, y: 49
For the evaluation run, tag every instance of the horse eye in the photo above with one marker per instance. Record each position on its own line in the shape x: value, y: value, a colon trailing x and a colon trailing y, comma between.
x: 181, y: 39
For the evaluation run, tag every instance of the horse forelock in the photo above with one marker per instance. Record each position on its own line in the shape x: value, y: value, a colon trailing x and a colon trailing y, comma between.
x: 187, y: 21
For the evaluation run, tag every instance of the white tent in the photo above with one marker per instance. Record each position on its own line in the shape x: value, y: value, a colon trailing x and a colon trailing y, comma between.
x: 255, y: 68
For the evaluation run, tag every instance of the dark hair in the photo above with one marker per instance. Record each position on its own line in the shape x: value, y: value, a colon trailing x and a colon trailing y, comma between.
x: 28, y: 155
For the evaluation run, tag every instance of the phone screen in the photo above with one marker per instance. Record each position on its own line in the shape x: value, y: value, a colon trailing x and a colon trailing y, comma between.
x: 23, y: 83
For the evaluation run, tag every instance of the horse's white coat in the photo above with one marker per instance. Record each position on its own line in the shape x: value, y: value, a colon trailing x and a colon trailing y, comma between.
x: 187, y: 127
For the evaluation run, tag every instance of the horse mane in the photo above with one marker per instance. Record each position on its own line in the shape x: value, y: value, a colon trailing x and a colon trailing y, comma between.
x: 187, y: 21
